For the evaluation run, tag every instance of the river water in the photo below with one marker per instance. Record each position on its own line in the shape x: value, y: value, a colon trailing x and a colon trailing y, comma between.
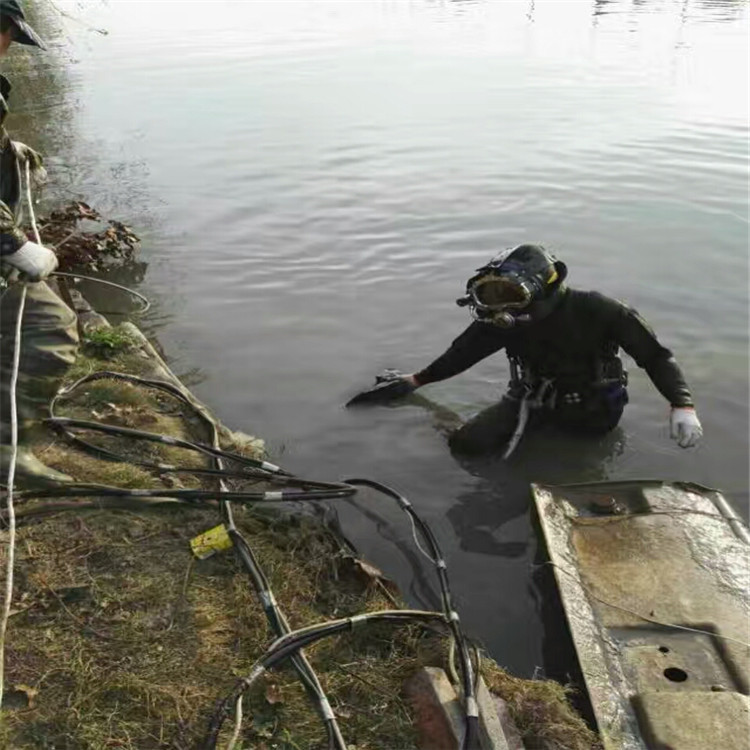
x: 314, y: 182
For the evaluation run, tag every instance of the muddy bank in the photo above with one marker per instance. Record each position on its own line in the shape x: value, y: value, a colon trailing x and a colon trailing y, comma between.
x: 121, y: 637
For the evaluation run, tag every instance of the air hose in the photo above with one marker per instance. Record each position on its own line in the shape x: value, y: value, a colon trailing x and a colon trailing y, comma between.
x: 251, y: 469
x: 435, y: 555
x: 306, y: 490
x: 288, y: 645
x: 146, y: 304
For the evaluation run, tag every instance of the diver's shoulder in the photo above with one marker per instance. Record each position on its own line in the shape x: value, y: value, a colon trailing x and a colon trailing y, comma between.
x: 594, y: 302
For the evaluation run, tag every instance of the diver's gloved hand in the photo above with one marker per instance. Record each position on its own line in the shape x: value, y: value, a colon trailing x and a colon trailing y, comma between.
x: 390, y: 386
x: 35, y: 262
x: 684, y: 426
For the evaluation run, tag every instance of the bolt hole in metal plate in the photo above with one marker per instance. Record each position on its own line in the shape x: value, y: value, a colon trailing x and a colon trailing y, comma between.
x: 653, y: 659
x: 675, y: 674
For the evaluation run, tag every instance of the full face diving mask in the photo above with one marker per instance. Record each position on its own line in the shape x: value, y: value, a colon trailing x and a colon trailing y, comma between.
x: 503, y: 291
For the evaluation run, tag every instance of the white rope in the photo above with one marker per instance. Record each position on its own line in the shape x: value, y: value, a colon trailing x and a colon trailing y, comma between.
x: 523, y: 418
x: 11, y: 556
x: 531, y: 400
x: 30, y: 202
x: 237, y: 724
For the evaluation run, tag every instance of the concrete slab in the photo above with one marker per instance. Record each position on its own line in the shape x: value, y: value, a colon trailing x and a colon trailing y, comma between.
x: 654, y: 580
x: 439, y: 717
x: 694, y: 721
x: 437, y: 712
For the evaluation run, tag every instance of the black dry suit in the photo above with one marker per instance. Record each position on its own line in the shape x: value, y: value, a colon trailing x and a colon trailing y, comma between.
x: 566, y: 362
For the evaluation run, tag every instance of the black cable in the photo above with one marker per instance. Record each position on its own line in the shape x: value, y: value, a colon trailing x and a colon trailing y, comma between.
x: 471, y: 736
x: 186, y: 495
x: 61, y: 423
x: 252, y: 468
x: 259, y: 470
x: 280, y: 626
x: 291, y: 643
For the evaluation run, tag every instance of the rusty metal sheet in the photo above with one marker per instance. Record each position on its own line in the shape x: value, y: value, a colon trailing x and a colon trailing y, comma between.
x: 655, y: 582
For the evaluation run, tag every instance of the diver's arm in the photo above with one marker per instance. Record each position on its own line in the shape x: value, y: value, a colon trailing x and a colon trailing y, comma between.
x: 637, y: 338
x: 478, y: 341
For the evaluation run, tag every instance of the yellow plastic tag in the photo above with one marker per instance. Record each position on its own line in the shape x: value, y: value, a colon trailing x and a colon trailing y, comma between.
x: 209, y: 542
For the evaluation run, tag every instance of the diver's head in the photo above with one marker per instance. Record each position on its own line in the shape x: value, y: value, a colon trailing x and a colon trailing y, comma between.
x: 521, y: 285
x: 15, y: 28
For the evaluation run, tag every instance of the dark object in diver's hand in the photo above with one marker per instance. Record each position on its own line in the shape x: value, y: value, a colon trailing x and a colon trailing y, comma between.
x: 389, y: 386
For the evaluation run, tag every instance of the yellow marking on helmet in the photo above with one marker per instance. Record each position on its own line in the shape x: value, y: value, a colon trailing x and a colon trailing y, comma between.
x: 553, y: 277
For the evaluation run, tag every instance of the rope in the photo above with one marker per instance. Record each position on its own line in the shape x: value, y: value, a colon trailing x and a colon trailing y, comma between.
x: 30, y: 202
x: 531, y: 400
x: 11, y: 557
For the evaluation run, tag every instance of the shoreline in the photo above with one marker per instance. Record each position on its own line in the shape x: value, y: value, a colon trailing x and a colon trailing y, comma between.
x: 68, y: 606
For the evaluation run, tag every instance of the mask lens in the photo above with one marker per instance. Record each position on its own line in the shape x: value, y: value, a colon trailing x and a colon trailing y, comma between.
x: 499, y: 292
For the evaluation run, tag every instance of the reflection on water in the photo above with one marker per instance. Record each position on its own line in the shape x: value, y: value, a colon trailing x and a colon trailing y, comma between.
x: 314, y: 182
x: 500, y: 495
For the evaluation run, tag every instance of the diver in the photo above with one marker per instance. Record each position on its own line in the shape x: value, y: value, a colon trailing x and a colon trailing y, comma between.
x: 49, y: 337
x: 562, y: 344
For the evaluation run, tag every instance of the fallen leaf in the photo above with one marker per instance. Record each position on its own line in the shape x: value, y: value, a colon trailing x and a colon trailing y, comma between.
x: 274, y: 694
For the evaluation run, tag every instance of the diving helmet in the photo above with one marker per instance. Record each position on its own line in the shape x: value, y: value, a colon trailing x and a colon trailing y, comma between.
x: 519, y: 285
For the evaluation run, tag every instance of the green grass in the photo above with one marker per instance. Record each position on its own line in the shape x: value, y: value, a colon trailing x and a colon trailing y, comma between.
x: 104, y: 343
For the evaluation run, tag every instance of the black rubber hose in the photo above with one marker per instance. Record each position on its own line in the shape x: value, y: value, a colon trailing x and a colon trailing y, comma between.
x: 291, y: 643
x: 471, y: 737
x: 260, y: 470
x: 60, y: 424
x: 185, y: 495
x: 272, y: 474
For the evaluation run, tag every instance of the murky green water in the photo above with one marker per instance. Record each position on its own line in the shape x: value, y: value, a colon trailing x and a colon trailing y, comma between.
x: 314, y: 182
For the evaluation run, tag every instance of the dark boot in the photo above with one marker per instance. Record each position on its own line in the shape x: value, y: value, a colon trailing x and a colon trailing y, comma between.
x: 49, y: 340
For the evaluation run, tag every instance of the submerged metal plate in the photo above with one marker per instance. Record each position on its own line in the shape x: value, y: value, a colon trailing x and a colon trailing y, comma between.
x: 641, y: 567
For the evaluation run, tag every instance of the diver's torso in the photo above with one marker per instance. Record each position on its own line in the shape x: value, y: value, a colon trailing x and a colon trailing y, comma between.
x: 572, y: 344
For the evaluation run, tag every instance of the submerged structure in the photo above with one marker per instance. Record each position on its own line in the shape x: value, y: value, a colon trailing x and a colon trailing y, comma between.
x: 653, y: 577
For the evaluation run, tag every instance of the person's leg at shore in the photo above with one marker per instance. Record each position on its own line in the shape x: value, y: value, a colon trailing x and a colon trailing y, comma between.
x: 49, y: 341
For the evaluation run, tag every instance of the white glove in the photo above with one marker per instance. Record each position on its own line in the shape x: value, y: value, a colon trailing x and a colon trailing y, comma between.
x: 684, y: 426
x: 35, y: 262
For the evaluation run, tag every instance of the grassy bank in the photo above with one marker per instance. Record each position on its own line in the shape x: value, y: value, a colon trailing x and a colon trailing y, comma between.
x: 121, y: 638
